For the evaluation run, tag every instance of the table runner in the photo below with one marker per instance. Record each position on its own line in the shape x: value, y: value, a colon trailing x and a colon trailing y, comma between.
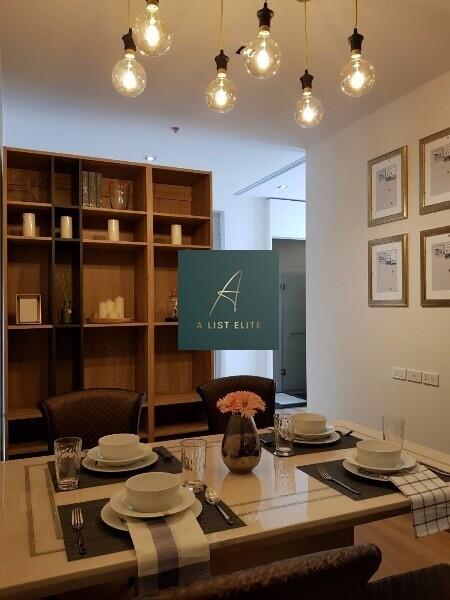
x: 93, y: 478
x: 102, y: 539
x: 345, y: 442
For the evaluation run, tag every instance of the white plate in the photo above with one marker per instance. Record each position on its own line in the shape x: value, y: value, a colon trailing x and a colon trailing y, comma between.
x: 95, y: 456
x: 406, y: 462
x: 101, y: 468
x: 331, y: 439
x: 185, y: 499
x: 316, y: 436
x: 351, y: 468
x: 111, y: 518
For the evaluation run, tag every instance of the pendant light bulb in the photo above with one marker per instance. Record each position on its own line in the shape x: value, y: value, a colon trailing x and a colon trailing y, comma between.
x: 309, y: 109
x: 153, y: 35
x: 263, y: 56
x: 221, y: 93
x: 128, y: 75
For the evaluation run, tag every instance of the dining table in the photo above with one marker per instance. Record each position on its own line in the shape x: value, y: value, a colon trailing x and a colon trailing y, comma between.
x: 286, y: 511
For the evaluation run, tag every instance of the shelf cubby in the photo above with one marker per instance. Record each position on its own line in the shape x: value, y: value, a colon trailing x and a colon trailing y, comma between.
x: 181, y: 192
x: 95, y: 227
x: 28, y: 177
x: 67, y: 360
x: 67, y: 274
x: 66, y: 182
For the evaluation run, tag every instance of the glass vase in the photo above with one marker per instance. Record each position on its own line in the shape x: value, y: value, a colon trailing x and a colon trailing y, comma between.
x: 241, y: 449
x: 118, y: 194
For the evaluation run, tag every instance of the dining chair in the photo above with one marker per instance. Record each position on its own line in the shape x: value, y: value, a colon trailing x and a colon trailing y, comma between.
x: 91, y: 414
x: 211, y: 391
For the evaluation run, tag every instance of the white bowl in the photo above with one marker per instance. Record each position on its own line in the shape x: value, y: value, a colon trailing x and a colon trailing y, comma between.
x: 119, y: 446
x: 150, y: 492
x: 379, y: 453
x: 309, y: 423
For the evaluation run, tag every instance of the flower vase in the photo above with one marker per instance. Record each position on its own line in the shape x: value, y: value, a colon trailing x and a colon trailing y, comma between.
x: 241, y: 449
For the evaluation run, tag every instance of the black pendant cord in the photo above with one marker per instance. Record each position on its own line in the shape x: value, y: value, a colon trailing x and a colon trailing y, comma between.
x: 306, y: 39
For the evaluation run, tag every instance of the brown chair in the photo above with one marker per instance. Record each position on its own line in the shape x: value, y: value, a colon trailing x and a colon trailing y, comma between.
x: 90, y: 414
x: 211, y: 391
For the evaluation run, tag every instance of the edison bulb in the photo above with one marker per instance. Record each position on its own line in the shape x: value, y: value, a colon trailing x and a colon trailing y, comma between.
x: 153, y: 36
x: 128, y: 76
x: 358, y: 76
x: 308, y: 111
x: 221, y: 94
x: 262, y: 56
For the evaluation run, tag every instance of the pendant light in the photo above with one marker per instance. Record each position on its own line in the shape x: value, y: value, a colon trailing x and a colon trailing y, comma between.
x: 263, y: 55
x: 358, y: 75
x: 153, y: 35
x: 221, y: 92
x: 309, y: 110
x: 128, y: 75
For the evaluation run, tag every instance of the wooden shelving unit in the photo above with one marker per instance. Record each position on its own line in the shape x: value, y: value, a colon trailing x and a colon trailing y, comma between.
x: 53, y: 357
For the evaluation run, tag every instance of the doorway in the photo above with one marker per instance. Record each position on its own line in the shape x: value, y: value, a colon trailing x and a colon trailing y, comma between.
x: 289, y: 362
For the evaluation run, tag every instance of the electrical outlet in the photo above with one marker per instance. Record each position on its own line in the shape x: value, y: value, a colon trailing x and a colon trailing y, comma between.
x: 398, y: 373
x: 415, y: 376
x: 430, y: 379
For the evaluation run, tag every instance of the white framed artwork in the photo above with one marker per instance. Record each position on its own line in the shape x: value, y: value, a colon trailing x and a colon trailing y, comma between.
x: 435, y: 172
x: 435, y: 266
x: 388, y: 187
x: 388, y: 271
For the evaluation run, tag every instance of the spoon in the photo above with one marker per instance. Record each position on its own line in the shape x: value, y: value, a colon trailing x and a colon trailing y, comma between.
x: 213, y: 498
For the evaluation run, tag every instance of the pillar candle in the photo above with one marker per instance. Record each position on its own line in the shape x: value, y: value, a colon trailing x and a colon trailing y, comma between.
x: 66, y: 228
x: 102, y: 311
x: 113, y: 230
x: 176, y: 235
x: 29, y: 225
x: 119, y: 304
x: 110, y: 306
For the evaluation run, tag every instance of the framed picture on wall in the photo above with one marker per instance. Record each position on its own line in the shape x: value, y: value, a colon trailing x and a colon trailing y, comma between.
x: 388, y: 271
x: 388, y: 187
x: 435, y: 172
x: 435, y: 266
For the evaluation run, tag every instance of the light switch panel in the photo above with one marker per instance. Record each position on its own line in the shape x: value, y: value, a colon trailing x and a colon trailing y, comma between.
x: 430, y: 379
x: 415, y: 376
x: 398, y: 373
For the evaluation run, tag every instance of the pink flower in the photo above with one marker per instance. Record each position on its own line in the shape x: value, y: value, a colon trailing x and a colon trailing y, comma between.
x: 244, y: 403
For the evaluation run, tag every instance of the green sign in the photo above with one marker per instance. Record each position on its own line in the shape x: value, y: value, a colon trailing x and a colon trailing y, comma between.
x: 228, y: 300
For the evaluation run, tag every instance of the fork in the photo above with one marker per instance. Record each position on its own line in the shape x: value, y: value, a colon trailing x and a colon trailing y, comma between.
x: 77, y: 525
x: 325, y: 475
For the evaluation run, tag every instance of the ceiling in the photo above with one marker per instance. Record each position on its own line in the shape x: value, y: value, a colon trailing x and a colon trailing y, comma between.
x: 59, y: 53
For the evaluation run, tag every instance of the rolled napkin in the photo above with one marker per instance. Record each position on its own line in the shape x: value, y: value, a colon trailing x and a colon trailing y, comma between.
x: 170, y: 552
x: 430, y: 500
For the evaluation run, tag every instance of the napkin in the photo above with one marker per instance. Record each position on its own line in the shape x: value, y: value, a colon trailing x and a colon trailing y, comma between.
x: 430, y: 500
x: 170, y: 552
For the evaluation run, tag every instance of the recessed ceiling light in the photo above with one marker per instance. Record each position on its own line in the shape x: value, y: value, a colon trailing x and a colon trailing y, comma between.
x: 150, y: 158
x: 283, y: 186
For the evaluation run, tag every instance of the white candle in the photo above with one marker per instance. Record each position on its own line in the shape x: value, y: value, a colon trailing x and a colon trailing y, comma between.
x: 110, y: 306
x: 112, y: 314
x: 66, y: 228
x: 102, y: 311
x: 29, y: 225
x: 119, y: 304
x: 113, y: 230
x: 176, y: 234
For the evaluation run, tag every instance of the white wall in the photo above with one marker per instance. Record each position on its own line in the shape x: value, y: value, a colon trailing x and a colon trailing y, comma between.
x: 351, y: 347
x: 287, y: 219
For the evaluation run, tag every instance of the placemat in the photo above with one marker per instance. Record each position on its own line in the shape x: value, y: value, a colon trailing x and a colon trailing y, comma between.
x: 93, y: 478
x: 368, y: 489
x: 101, y: 539
x: 345, y: 442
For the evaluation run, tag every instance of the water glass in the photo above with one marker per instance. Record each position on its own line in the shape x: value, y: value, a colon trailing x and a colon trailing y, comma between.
x: 67, y: 462
x: 284, y: 434
x: 193, y: 461
x: 393, y: 429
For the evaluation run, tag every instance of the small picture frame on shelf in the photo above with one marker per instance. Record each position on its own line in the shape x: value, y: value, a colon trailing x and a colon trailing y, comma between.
x: 28, y: 309
x: 435, y: 266
x: 388, y: 271
x: 388, y: 187
x: 434, y: 172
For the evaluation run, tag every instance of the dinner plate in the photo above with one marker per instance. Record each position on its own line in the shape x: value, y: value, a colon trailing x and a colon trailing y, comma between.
x: 184, y: 499
x: 406, y: 462
x: 95, y: 456
x: 316, y: 436
x: 111, y: 518
x: 331, y: 439
x: 351, y: 468
x: 90, y: 465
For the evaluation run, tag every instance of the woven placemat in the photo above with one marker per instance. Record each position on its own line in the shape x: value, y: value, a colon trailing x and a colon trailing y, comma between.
x: 94, y: 478
x: 368, y: 488
x: 102, y: 539
x: 344, y: 442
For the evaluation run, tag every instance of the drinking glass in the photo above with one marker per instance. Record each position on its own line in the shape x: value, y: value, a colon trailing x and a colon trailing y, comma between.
x: 284, y: 434
x: 393, y: 429
x: 67, y: 462
x: 193, y: 460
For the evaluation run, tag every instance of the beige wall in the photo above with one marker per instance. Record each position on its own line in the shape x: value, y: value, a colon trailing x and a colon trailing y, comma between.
x: 351, y: 347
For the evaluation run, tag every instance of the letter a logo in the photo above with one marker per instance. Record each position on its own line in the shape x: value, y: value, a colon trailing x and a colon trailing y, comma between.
x: 229, y: 294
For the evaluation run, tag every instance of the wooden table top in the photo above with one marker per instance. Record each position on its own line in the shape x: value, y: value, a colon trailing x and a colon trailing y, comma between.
x: 276, y: 498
